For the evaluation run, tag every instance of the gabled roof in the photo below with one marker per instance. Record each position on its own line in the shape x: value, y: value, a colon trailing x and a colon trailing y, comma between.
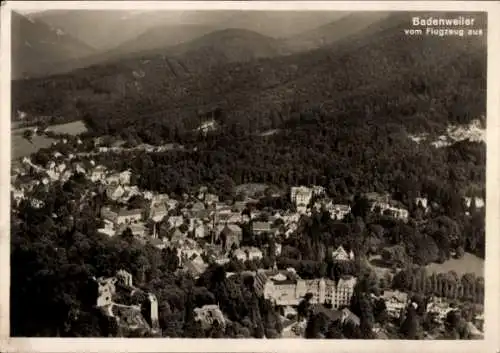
x: 231, y: 229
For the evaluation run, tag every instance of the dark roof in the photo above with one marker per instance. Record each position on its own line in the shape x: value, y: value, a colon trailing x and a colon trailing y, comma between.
x: 264, y: 226
x: 259, y: 282
x: 124, y: 212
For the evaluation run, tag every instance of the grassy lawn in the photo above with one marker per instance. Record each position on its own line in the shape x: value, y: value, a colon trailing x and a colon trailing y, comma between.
x: 23, y: 148
x: 469, y: 263
x: 73, y: 128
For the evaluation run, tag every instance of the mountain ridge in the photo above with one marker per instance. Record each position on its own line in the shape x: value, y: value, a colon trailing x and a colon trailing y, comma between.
x: 36, y: 45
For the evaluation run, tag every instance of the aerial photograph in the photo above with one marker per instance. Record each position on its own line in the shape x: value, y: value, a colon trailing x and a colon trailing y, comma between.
x: 248, y: 174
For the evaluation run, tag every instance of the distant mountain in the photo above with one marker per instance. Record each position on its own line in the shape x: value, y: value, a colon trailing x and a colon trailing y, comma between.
x: 334, y: 31
x: 102, y: 29
x: 35, y: 46
x: 212, y: 49
x: 229, y: 45
x: 379, y: 72
x: 159, y: 37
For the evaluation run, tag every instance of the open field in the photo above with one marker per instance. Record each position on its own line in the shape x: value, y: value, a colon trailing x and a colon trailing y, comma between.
x: 73, y: 128
x: 23, y: 148
x: 469, y: 263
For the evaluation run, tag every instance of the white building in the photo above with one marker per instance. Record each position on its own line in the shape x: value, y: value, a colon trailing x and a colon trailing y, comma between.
x: 301, y: 197
x: 341, y: 254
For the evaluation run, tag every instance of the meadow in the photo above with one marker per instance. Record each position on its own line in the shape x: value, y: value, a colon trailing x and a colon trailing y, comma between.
x: 22, y: 148
x: 469, y: 263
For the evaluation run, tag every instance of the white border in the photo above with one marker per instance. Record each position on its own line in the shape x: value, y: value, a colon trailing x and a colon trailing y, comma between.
x: 492, y: 292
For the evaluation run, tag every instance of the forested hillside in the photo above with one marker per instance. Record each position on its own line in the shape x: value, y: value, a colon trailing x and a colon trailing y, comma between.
x: 381, y: 75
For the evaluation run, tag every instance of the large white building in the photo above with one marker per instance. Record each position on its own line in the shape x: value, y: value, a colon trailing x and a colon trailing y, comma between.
x: 283, y: 291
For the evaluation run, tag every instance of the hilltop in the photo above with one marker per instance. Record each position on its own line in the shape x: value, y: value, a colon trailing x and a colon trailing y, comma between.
x: 334, y: 31
x: 36, y: 46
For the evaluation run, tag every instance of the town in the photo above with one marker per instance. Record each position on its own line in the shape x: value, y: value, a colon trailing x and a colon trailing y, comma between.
x: 204, y: 231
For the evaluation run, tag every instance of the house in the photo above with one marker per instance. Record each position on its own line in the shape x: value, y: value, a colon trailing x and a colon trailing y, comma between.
x: 197, y: 206
x: 291, y: 228
x: 339, y: 212
x: 36, y: 203
x: 239, y: 206
x: 221, y: 260
x: 231, y: 234
x: 240, y: 254
x: 109, y: 215
x: 301, y: 197
x: 252, y: 253
x: 261, y: 227
x: 441, y: 309
x: 61, y: 167
x: 278, y: 248
x: 195, y: 267
x: 124, y: 177
x: 171, y: 204
x: 208, y: 315
x: 210, y: 199
x: 66, y: 175
x: 175, y: 221
x: 341, y: 255
x: 80, y: 169
x: 129, y: 192
x: 17, y: 194
x: 98, y: 174
x: 422, y: 202
x: 227, y: 218
x: 113, y: 179
x: 474, y: 332
x: 189, y: 252
x: 201, y: 231
x: 177, y: 236
x: 159, y: 243
x: 396, y: 302
x: 128, y: 216
x: 51, y: 165
x: 157, y: 212
x: 345, y: 290
x: 479, y: 202
x: 385, y: 208
x: 137, y: 229
x: 318, y: 190
x: 108, y: 229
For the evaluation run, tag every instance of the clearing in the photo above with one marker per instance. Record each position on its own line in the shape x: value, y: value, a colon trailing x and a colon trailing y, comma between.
x: 469, y: 263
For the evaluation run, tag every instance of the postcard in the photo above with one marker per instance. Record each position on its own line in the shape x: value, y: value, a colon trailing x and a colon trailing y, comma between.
x: 250, y: 176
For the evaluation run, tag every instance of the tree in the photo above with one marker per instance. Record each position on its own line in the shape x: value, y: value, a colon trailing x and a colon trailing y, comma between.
x: 410, y: 326
x: 28, y: 134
